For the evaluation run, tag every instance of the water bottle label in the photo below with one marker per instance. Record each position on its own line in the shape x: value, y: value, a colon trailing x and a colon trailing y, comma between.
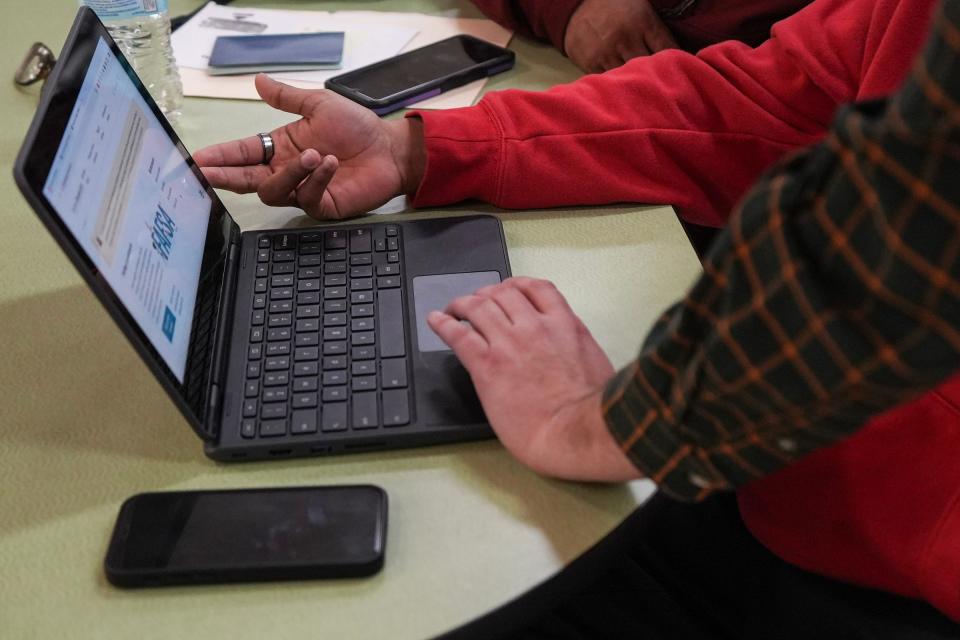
x: 115, y: 9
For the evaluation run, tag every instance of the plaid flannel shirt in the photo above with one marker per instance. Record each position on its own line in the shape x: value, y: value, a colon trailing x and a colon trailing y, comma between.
x: 833, y: 295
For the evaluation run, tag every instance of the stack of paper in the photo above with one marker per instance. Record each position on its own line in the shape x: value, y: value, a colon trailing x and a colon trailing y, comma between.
x: 371, y: 36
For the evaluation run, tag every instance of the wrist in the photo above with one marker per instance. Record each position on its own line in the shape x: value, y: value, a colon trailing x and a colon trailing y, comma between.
x: 409, y: 151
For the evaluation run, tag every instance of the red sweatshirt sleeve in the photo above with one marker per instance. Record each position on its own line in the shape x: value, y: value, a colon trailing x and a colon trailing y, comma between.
x: 692, y: 131
x: 543, y: 19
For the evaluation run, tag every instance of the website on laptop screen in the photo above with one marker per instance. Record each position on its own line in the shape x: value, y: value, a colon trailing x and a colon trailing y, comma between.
x: 132, y: 202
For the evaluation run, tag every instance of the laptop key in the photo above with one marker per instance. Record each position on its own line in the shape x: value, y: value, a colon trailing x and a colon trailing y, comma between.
x: 336, y: 239
x: 334, y: 306
x: 335, y: 255
x: 250, y: 408
x: 311, y: 248
x: 273, y: 364
x: 282, y: 320
x: 276, y: 378
x: 263, y: 242
x: 308, y: 297
x: 248, y: 428
x: 393, y: 373
x: 283, y: 306
x: 335, y: 333
x: 307, y: 325
x: 361, y: 297
x: 273, y: 428
x: 362, y: 324
x: 258, y: 317
x: 283, y: 256
x: 253, y: 369
x: 305, y: 369
x: 305, y: 384
x: 364, y: 383
x: 334, y: 362
x: 362, y: 338
x: 283, y: 268
x: 388, y: 282
x: 334, y: 348
x: 251, y: 389
x: 306, y: 353
x: 364, y: 353
x: 360, y: 241
x: 364, y: 368
x: 309, y: 272
x: 335, y: 267
x: 308, y: 261
x: 303, y: 421
x: 308, y: 285
x: 393, y: 256
x: 334, y: 293
x: 284, y: 241
x: 304, y: 400
x: 361, y: 259
x: 361, y: 284
x: 262, y: 270
x: 392, y: 230
x: 393, y: 244
x: 260, y: 285
x: 334, y: 319
x: 335, y: 280
x: 256, y: 334
x: 388, y: 270
x: 361, y: 310
x: 275, y: 394
x: 396, y: 410
x: 282, y: 281
x: 273, y: 410
x: 278, y: 334
x: 260, y: 301
x: 365, y: 410
x: 334, y: 394
x: 334, y: 416
x: 281, y: 293
x: 334, y: 378
x: 390, y: 321
x: 380, y: 245
x: 361, y: 272
x: 308, y: 311
x: 308, y: 339
x: 254, y: 351
x: 278, y: 348
x: 263, y: 255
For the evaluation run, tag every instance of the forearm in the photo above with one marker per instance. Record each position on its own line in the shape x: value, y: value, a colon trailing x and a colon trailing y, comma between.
x: 831, y: 297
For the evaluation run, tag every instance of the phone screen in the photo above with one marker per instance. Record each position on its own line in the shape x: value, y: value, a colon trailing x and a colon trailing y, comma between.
x: 226, y: 530
x: 420, y: 66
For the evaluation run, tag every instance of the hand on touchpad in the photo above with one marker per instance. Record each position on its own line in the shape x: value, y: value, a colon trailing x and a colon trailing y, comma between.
x: 434, y: 293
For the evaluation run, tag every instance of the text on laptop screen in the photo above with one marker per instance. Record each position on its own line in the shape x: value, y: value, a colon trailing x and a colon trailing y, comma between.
x: 133, y: 204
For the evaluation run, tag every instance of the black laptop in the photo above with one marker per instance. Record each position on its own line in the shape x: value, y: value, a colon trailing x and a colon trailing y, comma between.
x: 272, y: 343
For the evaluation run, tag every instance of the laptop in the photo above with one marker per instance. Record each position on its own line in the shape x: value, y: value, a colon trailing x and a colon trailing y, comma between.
x: 272, y: 344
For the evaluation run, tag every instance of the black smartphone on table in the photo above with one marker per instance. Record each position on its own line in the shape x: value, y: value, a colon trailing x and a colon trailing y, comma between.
x: 416, y: 75
x: 241, y: 535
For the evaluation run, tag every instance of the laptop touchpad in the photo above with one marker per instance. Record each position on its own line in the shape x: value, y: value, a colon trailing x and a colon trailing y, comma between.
x: 434, y: 293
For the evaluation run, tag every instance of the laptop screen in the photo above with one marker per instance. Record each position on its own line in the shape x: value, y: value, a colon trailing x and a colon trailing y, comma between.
x: 133, y: 204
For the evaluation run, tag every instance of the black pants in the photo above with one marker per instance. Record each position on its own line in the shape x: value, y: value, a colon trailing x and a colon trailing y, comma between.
x: 675, y: 570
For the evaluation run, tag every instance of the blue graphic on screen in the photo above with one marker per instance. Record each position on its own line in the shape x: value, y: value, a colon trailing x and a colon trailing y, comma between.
x: 127, y: 195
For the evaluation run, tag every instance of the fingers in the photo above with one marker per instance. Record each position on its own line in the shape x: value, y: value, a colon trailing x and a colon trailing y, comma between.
x: 312, y: 194
x: 659, y: 38
x: 236, y: 153
x: 237, y: 179
x: 543, y: 294
x: 466, y: 343
x: 515, y: 305
x: 482, y: 313
x: 277, y: 189
x: 284, y: 97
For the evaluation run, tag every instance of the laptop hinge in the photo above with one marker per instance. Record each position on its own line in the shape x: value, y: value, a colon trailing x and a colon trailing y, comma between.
x: 221, y: 340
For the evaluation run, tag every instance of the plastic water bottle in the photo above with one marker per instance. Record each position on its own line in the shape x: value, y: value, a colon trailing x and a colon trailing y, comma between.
x: 141, y: 28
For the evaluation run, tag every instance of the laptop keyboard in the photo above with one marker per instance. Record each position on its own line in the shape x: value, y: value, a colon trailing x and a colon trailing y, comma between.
x: 326, y: 350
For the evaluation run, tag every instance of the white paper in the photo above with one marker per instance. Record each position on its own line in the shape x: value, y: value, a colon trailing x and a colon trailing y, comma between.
x: 194, y: 41
x: 191, y: 45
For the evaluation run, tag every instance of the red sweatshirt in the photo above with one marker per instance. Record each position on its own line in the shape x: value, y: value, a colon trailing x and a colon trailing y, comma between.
x: 881, y: 508
x: 704, y: 23
x: 673, y: 128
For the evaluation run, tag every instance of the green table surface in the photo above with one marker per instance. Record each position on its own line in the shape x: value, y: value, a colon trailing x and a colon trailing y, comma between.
x: 83, y: 424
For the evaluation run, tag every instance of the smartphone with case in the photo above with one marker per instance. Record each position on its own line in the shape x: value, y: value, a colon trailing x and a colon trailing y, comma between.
x: 245, y: 535
x: 416, y: 75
